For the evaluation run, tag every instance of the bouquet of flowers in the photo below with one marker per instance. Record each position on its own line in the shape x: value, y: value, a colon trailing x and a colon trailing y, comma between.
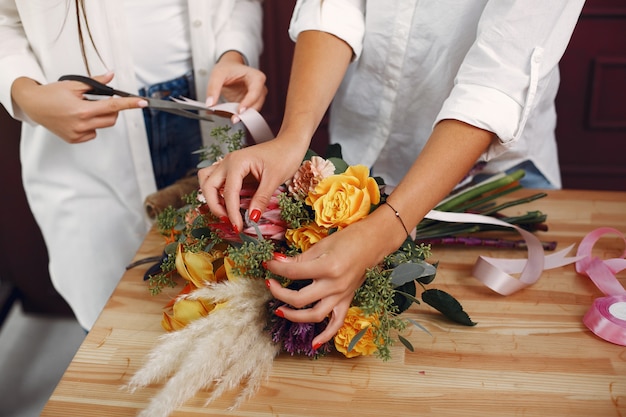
x: 224, y: 301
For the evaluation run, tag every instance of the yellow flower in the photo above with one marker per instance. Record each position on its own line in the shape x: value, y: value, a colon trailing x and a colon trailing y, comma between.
x: 184, y: 312
x: 340, y: 200
x: 306, y: 236
x: 196, y: 267
x: 354, y: 322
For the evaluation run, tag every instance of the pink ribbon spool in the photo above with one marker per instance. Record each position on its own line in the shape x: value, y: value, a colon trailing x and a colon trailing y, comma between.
x: 606, y: 317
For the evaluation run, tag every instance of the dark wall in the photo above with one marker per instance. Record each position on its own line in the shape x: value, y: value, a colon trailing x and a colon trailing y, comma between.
x: 23, y: 255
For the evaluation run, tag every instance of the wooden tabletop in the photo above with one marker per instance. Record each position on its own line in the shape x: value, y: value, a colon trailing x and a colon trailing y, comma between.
x: 529, y: 355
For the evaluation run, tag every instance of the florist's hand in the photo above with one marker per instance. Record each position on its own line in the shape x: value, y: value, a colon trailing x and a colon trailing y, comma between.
x: 232, y: 79
x: 337, y: 266
x: 270, y: 164
x: 61, y: 108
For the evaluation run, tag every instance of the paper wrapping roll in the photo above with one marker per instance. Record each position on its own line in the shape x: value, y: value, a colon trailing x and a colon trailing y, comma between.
x: 171, y: 195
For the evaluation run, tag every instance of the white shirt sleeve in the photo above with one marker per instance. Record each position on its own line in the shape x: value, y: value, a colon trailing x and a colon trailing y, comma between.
x: 344, y: 19
x: 518, y: 47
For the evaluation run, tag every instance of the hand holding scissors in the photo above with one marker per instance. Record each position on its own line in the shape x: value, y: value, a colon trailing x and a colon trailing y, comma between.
x: 62, y: 109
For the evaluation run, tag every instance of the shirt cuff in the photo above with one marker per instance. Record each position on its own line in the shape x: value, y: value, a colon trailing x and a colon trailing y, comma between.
x: 485, y: 108
x: 344, y: 19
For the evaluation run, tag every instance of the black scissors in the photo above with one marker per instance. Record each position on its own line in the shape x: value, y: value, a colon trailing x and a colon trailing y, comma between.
x: 174, y: 107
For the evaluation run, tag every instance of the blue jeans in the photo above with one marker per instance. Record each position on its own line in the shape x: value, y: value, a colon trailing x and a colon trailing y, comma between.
x: 172, y: 138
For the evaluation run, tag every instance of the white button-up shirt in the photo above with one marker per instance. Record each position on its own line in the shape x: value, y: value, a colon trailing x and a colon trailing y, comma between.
x: 490, y: 63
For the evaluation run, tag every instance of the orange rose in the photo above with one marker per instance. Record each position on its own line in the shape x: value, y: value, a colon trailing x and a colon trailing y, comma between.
x: 306, y: 236
x: 354, y: 322
x: 342, y: 199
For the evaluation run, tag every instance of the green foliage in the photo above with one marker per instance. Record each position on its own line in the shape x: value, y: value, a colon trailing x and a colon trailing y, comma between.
x: 447, y: 305
x: 249, y: 257
x: 224, y: 143
x: 376, y: 298
x: 294, y: 212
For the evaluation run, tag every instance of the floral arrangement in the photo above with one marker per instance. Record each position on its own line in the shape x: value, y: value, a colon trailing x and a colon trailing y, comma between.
x: 225, y: 293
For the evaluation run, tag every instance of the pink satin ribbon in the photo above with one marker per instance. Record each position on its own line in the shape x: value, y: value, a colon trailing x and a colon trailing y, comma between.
x: 251, y: 119
x: 256, y: 125
x: 494, y: 272
x: 606, y: 317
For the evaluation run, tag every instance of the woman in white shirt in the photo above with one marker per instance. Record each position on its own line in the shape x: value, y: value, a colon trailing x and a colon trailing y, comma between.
x: 422, y: 90
x: 87, y: 166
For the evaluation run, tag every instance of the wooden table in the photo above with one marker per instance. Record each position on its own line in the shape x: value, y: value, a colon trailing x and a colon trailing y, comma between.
x: 529, y: 355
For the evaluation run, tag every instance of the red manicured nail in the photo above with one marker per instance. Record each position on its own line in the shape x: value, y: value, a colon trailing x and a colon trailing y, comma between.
x: 280, y: 256
x: 264, y: 265
x: 268, y: 284
x: 279, y: 313
x: 235, y: 229
x: 317, y: 346
x: 255, y: 215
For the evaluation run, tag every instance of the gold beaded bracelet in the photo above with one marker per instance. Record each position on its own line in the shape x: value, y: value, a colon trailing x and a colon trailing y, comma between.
x: 399, y: 218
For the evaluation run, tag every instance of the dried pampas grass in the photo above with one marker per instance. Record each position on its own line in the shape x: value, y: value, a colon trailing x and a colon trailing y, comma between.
x: 227, y: 349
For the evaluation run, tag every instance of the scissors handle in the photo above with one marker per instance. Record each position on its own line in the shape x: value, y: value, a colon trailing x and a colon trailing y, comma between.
x: 97, y: 88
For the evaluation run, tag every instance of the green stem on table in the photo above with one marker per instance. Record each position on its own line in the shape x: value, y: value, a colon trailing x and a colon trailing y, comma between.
x: 480, y: 189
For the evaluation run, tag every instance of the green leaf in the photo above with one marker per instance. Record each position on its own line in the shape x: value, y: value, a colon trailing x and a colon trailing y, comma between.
x: 247, y: 239
x: 419, y: 326
x: 406, y: 343
x: 340, y: 165
x: 356, y: 339
x: 170, y: 248
x: 334, y: 151
x: 404, y: 296
x: 447, y: 305
x: 411, y: 271
x: 201, y: 232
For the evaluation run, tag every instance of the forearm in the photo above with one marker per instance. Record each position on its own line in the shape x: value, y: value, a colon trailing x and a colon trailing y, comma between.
x: 319, y: 64
x: 449, y: 154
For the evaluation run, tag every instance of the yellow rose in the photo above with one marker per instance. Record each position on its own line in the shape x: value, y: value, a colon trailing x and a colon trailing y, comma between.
x: 354, y: 322
x: 306, y: 236
x: 340, y: 200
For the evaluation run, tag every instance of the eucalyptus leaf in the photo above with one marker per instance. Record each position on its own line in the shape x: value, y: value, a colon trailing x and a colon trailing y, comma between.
x: 411, y: 271
x: 406, y: 343
x: 447, y: 305
x: 356, y: 339
x: 245, y: 238
x: 170, y: 248
x: 419, y: 326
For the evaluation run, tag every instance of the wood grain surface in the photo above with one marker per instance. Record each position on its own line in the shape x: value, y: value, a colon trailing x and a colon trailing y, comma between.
x: 529, y: 355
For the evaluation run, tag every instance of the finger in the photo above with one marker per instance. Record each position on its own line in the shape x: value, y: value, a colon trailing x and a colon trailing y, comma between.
x: 117, y: 104
x: 263, y: 194
x: 337, y: 318
x: 232, y: 200
x: 315, y: 314
x: 255, y: 96
x: 214, y: 88
x: 210, y: 185
x: 307, y: 295
x: 104, y: 78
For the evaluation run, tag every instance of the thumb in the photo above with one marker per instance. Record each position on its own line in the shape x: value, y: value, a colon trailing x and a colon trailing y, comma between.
x: 104, y: 78
x: 214, y: 88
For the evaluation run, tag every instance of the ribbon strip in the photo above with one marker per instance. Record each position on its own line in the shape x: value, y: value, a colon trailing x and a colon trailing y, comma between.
x: 253, y: 121
x: 606, y: 317
x: 494, y: 272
